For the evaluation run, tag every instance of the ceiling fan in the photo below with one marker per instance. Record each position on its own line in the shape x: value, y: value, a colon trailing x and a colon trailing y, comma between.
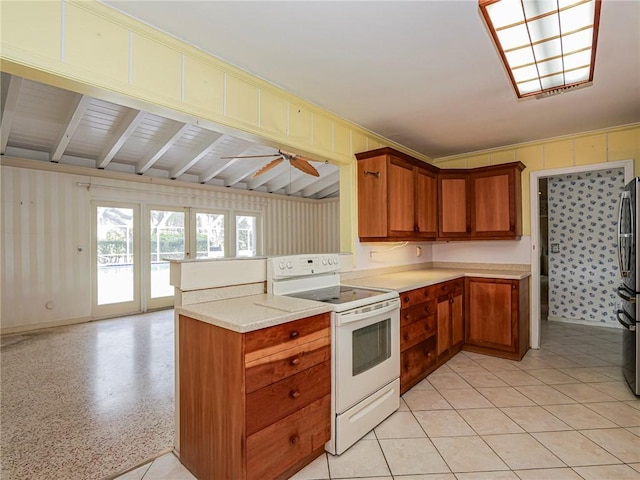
x: 295, y: 160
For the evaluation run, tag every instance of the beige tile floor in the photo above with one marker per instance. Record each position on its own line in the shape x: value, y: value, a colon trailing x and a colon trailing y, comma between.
x: 90, y: 400
x: 564, y: 412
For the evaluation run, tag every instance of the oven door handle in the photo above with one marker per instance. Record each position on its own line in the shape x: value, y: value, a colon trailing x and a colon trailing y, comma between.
x: 623, y: 295
x: 358, y: 314
x: 631, y: 326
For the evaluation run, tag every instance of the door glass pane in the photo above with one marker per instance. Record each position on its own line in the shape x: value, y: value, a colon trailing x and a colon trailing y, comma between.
x: 115, y: 255
x: 167, y: 243
x: 371, y: 346
x: 246, y: 236
x: 210, y: 235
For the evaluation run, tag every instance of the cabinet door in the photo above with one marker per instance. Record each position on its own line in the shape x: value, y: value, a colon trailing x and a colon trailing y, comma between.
x: 494, y: 203
x: 372, y: 197
x: 453, y: 210
x: 426, y: 203
x: 492, y: 313
x: 457, y: 321
x: 401, y: 198
x: 444, y: 326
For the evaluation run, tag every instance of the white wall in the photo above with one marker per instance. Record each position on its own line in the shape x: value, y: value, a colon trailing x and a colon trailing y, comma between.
x: 382, y: 255
x: 46, y: 216
x: 488, y: 251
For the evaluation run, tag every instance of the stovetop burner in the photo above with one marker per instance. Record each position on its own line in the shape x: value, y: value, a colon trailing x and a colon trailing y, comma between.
x: 337, y: 294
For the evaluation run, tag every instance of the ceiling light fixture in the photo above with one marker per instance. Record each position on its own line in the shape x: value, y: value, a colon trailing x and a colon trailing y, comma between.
x: 546, y: 45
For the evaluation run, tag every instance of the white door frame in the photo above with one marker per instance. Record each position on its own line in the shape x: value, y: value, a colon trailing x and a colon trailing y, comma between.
x: 535, y: 229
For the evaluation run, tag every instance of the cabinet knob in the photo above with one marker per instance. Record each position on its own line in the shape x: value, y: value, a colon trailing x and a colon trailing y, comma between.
x: 294, y: 334
x: 294, y: 394
x: 451, y: 300
x: 293, y: 439
x: 513, y: 287
x: 406, y: 316
x: 427, y: 327
x: 406, y: 336
x: 295, y: 361
x: 405, y: 299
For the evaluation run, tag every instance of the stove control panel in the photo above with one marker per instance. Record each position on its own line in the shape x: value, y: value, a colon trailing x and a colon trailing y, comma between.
x: 303, y: 265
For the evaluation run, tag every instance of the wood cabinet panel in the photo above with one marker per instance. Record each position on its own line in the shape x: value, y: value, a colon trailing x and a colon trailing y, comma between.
x: 397, y: 197
x: 453, y: 206
x: 415, y: 361
x: 273, y: 368
x: 289, y: 442
x: 426, y: 203
x: 278, y: 400
x: 444, y: 326
x: 254, y: 405
x: 268, y: 341
x: 417, y: 312
x: 497, y: 317
x: 417, y: 331
x: 401, y: 201
x: 491, y: 209
x: 212, y: 407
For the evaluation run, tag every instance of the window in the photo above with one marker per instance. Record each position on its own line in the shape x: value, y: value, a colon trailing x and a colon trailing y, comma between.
x: 247, y: 236
x: 210, y: 235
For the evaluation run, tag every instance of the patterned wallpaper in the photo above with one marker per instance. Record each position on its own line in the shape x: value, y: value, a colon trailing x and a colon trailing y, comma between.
x: 583, y: 272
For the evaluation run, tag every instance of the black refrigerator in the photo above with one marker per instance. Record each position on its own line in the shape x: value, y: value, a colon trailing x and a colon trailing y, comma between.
x: 629, y: 290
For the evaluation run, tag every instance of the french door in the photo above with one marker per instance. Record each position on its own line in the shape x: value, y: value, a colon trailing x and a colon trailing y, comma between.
x: 116, y: 259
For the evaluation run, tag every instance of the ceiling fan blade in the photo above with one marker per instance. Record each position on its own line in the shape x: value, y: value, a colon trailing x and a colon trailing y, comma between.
x: 304, y: 166
x: 252, y: 156
x: 268, y: 166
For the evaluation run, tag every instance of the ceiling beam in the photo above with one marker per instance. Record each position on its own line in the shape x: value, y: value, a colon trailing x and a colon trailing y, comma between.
x: 215, y: 171
x: 268, y: 176
x: 160, y: 148
x: 9, y: 104
x: 231, y: 181
x: 190, y: 162
x: 76, y: 112
x: 285, y: 179
x: 330, y: 190
x: 321, y: 184
x: 303, y: 182
x: 124, y: 130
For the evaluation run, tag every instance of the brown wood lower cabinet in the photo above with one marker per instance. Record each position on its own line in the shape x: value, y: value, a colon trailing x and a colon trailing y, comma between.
x: 497, y: 317
x: 254, y: 405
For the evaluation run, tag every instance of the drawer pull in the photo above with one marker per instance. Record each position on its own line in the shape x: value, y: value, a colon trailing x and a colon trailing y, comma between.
x: 294, y: 394
x: 294, y: 334
x: 426, y: 327
x: 293, y: 439
x: 405, y: 299
x: 295, y: 361
x: 406, y: 336
x: 406, y: 316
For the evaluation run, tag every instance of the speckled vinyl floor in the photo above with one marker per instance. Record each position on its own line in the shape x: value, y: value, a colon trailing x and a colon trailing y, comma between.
x: 87, y: 401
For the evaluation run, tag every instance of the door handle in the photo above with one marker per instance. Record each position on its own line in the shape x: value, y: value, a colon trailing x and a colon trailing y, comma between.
x: 624, y: 296
x: 631, y: 326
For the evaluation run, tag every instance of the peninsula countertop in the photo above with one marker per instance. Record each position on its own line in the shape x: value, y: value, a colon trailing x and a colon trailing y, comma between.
x: 412, y: 279
x: 253, y: 312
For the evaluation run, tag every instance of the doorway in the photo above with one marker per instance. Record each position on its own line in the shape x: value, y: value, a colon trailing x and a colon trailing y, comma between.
x: 537, y: 250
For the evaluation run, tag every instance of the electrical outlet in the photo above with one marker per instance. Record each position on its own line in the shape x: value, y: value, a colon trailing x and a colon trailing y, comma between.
x: 555, y: 248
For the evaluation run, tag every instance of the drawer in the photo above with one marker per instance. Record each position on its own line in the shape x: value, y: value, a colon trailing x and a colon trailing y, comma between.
x: 277, y: 448
x: 416, y: 332
x: 416, y: 363
x: 454, y: 286
x: 276, y: 401
x: 417, y: 312
x: 273, y: 368
x: 414, y: 297
x: 267, y: 341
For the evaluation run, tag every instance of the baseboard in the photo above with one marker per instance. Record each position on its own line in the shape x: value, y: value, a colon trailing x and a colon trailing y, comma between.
x: 579, y: 321
x: 39, y: 326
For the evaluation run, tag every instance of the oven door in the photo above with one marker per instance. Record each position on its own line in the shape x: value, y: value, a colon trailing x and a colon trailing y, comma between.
x: 367, y: 351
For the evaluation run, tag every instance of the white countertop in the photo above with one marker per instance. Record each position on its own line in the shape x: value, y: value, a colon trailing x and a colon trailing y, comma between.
x: 245, y: 314
x: 412, y: 279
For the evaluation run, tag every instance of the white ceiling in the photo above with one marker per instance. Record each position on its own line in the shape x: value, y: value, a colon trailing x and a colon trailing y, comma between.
x: 422, y: 73
x: 45, y: 123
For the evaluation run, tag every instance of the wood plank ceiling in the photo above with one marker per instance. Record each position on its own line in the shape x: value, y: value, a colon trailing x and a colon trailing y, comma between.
x: 46, y: 123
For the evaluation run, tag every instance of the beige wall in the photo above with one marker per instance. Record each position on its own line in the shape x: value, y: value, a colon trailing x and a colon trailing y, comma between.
x: 608, y: 145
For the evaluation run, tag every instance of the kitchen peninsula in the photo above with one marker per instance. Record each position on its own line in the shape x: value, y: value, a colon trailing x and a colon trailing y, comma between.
x: 257, y: 350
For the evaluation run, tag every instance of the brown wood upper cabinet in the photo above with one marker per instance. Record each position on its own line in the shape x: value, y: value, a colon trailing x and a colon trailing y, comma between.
x: 397, y: 197
x: 480, y: 203
x: 402, y: 198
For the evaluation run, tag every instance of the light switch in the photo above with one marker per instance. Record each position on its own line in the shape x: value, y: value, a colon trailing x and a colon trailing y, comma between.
x: 555, y: 248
